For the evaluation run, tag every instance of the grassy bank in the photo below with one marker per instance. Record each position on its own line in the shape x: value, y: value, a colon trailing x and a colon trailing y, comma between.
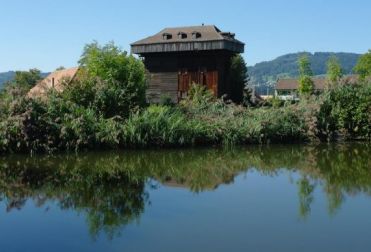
x: 57, y: 123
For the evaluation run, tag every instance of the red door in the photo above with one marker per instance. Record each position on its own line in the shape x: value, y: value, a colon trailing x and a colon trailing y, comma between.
x: 187, y: 78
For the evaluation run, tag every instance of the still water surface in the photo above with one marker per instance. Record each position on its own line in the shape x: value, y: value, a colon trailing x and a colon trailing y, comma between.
x: 272, y: 198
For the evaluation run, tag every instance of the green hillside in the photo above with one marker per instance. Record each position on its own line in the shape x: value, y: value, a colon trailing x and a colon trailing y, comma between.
x: 286, y: 66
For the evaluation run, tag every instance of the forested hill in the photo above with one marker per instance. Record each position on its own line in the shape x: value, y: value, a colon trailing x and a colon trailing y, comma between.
x: 286, y: 66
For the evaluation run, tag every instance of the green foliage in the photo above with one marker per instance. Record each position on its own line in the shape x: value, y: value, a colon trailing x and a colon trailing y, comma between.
x: 160, y: 126
x: 199, y: 95
x: 275, y: 102
x: 27, y: 78
x: 59, y: 124
x: 238, y: 78
x: 306, y: 85
x: 104, y: 108
x: 21, y: 83
x: 247, y: 97
x: 346, y: 111
x: 304, y: 65
x: 334, y: 70
x: 115, y: 81
x: 166, y: 100
x: 60, y: 68
x: 363, y: 67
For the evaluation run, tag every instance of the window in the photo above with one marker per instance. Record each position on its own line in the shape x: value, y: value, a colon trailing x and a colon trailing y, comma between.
x: 196, y: 35
x: 167, y: 36
x: 182, y: 35
x: 228, y: 35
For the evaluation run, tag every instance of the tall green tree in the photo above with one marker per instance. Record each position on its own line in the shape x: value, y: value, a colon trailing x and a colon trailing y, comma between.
x: 239, y: 78
x: 363, y: 67
x: 115, y: 79
x: 334, y: 70
x: 306, y: 85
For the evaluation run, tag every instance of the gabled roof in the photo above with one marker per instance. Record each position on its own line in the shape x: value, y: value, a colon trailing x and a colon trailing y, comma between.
x: 56, y: 80
x: 190, y: 35
x: 319, y: 83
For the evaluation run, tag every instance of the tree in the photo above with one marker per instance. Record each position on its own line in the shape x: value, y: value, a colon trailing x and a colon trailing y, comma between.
x: 117, y: 80
x: 238, y: 78
x: 22, y: 82
x: 60, y: 68
x: 334, y: 70
x: 304, y: 66
x: 363, y: 67
x: 27, y: 78
x: 306, y: 85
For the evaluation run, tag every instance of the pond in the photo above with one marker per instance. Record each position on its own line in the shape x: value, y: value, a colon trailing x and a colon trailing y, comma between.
x: 256, y: 198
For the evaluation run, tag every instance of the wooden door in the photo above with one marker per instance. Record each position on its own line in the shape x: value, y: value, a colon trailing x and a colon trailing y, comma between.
x: 212, y: 82
x: 183, y: 84
x: 187, y: 78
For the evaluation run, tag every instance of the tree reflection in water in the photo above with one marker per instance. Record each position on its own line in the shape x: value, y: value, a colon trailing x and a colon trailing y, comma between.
x: 111, y: 188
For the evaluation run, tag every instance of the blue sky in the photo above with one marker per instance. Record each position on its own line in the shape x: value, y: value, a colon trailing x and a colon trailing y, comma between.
x: 47, y: 34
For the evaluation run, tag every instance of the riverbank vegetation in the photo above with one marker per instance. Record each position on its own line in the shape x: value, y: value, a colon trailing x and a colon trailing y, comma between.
x: 105, y: 107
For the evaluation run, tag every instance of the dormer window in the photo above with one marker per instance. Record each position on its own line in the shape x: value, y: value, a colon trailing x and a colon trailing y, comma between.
x: 196, y: 35
x: 182, y: 35
x: 167, y: 36
x: 228, y: 35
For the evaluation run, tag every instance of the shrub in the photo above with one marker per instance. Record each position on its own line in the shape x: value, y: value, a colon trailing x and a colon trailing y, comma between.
x: 198, y: 95
x: 346, y: 111
x: 306, y: 85
x: 363, y: 67
x: 166, y: 100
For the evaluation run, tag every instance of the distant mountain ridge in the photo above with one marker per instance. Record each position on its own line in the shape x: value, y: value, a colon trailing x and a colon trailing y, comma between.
x: 286, y: 65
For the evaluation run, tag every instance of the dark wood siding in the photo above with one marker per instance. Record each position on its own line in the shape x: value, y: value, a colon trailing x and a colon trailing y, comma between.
x: 172, y: 73
x: 159, y: 84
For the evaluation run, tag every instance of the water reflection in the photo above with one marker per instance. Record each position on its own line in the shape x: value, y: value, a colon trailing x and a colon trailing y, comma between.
x: 112, y: 188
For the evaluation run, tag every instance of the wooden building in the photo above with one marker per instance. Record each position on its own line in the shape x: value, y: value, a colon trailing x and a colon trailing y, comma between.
x: 177, y: 57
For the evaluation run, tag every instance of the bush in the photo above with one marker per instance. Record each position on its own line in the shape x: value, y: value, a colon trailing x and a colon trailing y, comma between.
x: 346, y: 111
x: 111, y: 83
x: 166, y: 100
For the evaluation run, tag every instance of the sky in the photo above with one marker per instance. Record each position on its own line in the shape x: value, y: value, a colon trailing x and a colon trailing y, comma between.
x: 46, y: 34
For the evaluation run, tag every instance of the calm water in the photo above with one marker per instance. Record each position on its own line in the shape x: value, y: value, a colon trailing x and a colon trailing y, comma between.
x: 277, y: 198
